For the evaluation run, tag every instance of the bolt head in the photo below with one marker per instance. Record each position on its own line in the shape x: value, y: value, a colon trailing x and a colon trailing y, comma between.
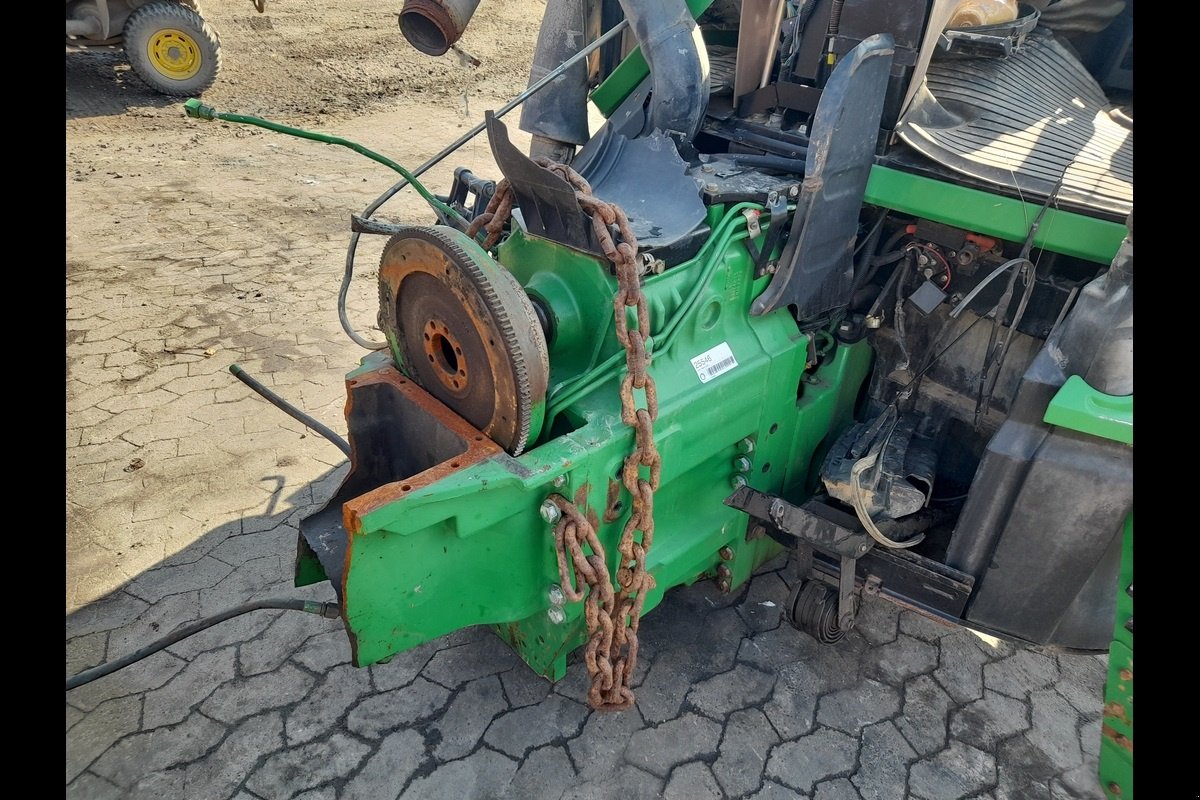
x: 726, y: 553
x: 745, y: 446
x: 738, y: 481
x: 711, y: 188
x: 555, y: 595
x: 723, y: 586
x: 724, y: 572
x: 556, y: 615
x: 708, y: 168
x: 560, y: 481
x: 742, y: 464
x: 550, y: 512
x: 793, y: 192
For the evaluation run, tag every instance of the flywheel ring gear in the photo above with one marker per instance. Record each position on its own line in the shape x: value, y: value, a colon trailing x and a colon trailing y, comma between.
x: 462, y: 327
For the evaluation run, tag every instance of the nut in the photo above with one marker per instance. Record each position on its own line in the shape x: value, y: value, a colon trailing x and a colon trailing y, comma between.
x: 726, y: 553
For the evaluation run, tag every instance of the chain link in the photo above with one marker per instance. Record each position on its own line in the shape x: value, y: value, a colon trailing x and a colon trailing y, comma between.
x: 612, y: 614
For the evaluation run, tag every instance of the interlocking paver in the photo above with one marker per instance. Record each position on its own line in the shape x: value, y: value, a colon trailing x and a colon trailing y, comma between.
x: 850, y: 709
x: 746, y: 742
x: 923, y: 722
x: 129, y: 759
x: 825, y: 753
x: 659, y: 750
x: 324, y: 706
x: 524, y: 729
x: 883, y: 762
x: 467, y: 717
x: 388, y: 710
x: 545, y: 773
x: 692, y: 781
x: 485, y: 773
x: 289, y: 772
x: 245, y: 697
x: 985, y: 722
x: 388, y: 769
x: 191, y: 686
x: 741, y: 687
x: 956, y: 772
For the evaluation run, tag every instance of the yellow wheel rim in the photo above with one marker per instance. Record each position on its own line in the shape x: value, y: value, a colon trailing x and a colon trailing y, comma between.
x: 174, y: 54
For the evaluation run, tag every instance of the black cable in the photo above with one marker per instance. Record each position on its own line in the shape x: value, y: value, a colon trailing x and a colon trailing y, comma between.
x: 290, y: 410
x: 327, y: 610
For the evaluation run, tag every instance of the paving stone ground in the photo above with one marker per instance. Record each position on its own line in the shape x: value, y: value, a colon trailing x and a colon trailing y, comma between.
x: 190, y: 249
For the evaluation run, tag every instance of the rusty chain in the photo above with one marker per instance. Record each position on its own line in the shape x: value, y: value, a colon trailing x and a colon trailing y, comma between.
x: 612, y: 646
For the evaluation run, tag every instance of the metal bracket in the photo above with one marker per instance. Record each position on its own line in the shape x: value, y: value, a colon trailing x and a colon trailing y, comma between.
x: 776, y: 217
x: 846, y: 610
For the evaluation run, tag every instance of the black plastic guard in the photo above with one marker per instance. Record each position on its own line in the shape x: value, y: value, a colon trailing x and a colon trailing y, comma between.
x: 547, y: 202
x: 815, y: 269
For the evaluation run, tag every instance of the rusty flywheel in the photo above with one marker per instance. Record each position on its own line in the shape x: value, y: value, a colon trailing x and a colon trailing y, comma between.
x: 462, y: 327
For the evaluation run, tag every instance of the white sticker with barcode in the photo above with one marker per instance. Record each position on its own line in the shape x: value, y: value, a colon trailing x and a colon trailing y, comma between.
x: 714, y: 362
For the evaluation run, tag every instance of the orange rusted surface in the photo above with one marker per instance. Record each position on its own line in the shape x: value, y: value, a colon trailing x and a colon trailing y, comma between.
x: 478, y: 447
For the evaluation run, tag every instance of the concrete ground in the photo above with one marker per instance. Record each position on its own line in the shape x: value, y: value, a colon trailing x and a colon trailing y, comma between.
x: 192, y: 247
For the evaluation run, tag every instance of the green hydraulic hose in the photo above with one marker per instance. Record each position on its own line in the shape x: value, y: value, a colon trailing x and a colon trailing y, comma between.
x: 197, y: 110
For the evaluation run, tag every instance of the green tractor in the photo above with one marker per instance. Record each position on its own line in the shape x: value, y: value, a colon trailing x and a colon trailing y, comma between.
x: 848, y: 277
x: 168, y: 43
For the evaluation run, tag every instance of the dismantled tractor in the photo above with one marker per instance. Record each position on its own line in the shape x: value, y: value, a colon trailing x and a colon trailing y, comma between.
x: 852, y: 277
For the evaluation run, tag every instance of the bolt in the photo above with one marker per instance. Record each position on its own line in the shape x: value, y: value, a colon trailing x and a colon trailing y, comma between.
x: 724, y: 572
x: 726, y: 553
x: 1129, y: 625
x: 873, y: 322
x: 550, y: 512
x: 560, y: 482
x: 745, y: 446
x: 1129, y: 591
x: 708, y: 168
x: 772, y: 198
x: 556, y: 615
x: 743, y: 464
x: 1114, y: 787
x: 658, y: 267
x: 771, y: 268
x: 723, y: 587
x: 862, y: 548
x: 555, y: 595
x: 738, y: 481
x: 711, y: 188
x: 794, y: 191
x: 1126, y: 674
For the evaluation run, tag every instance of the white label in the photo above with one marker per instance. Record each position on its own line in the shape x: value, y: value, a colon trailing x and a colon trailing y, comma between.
x: 714, y: 362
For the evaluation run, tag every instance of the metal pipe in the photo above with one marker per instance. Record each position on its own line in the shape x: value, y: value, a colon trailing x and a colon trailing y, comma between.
x: 432, y: 26
x: 344, y: 290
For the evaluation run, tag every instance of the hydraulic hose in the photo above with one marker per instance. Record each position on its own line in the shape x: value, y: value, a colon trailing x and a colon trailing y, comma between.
x: 194, y: 108
x: 290, y: 410
x: 327, y: 610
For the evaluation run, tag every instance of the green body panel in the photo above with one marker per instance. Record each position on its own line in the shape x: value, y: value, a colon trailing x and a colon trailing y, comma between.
x: 1081, y: 408
x: 472, y: 548
x: 1116, y: 738
x: 632, y: 71
x: 992, y: 215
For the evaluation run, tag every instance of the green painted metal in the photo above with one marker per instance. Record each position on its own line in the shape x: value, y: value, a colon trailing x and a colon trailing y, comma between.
x: 1116, y: 733
x: 472, y: 548
x: 1081, y: 408
x: 992, y: 215
x: 631, y: 71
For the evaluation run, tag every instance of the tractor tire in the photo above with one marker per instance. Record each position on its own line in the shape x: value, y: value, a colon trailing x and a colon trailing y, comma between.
x: 812, y: 608
x: 172, y: 48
